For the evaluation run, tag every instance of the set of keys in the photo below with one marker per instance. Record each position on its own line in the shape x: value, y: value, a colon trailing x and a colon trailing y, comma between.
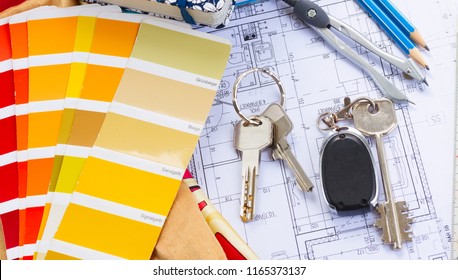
x: 348, y: 174
x: 348, y: 178
x: 254, y: 134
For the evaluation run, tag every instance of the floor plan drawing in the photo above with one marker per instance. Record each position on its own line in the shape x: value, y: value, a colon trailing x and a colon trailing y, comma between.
x: 290, y: 223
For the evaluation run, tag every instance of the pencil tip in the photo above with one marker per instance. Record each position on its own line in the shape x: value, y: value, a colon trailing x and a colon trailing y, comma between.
x: 426, y: 83
x: 416, y: 55
x: 411, y: 102
x: 427, y: 48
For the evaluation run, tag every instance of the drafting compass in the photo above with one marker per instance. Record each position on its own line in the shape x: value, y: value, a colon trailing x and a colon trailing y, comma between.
x: 321, y: 22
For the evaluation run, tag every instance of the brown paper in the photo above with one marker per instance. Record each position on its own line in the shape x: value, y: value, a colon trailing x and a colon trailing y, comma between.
x: 186, y: 235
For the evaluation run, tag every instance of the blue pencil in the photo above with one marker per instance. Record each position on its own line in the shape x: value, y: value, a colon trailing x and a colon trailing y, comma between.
x: 393, y: 31
x: 402, y: 22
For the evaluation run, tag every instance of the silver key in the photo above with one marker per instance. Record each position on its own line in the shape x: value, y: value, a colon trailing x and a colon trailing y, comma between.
x: 280, y: 147
x: 250, y: 140
x: 393, y: 217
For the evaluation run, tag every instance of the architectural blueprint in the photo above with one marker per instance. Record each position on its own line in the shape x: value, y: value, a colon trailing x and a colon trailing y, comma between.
x: 292, y: 224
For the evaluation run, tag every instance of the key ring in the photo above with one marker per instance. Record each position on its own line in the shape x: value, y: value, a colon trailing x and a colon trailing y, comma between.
x: 331, y: 119
x: 255, y: 121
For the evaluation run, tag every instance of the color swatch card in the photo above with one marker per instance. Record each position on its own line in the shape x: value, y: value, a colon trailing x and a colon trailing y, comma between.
x: 19, y: 50
x: 49, y: 68
x: 57, y: 198
x: 130, y: 179
x: 9, y: 202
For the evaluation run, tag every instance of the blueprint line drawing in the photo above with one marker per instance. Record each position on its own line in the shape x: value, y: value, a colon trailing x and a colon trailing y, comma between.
x: 289, y: 223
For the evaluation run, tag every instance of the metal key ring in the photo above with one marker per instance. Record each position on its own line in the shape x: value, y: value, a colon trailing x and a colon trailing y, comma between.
x: 331, y: 119
x: 255, y: 121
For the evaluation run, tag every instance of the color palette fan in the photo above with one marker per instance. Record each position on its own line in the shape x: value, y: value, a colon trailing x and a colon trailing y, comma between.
x: 100, y: 112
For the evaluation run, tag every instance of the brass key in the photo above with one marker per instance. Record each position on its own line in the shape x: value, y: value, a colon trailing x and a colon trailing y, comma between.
x: 378, y: 122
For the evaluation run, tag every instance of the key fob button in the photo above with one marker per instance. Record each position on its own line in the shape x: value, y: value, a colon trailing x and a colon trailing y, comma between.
x: 347, y: 173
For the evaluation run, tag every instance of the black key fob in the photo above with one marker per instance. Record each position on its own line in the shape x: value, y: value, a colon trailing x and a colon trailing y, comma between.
x: 347, y: 172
